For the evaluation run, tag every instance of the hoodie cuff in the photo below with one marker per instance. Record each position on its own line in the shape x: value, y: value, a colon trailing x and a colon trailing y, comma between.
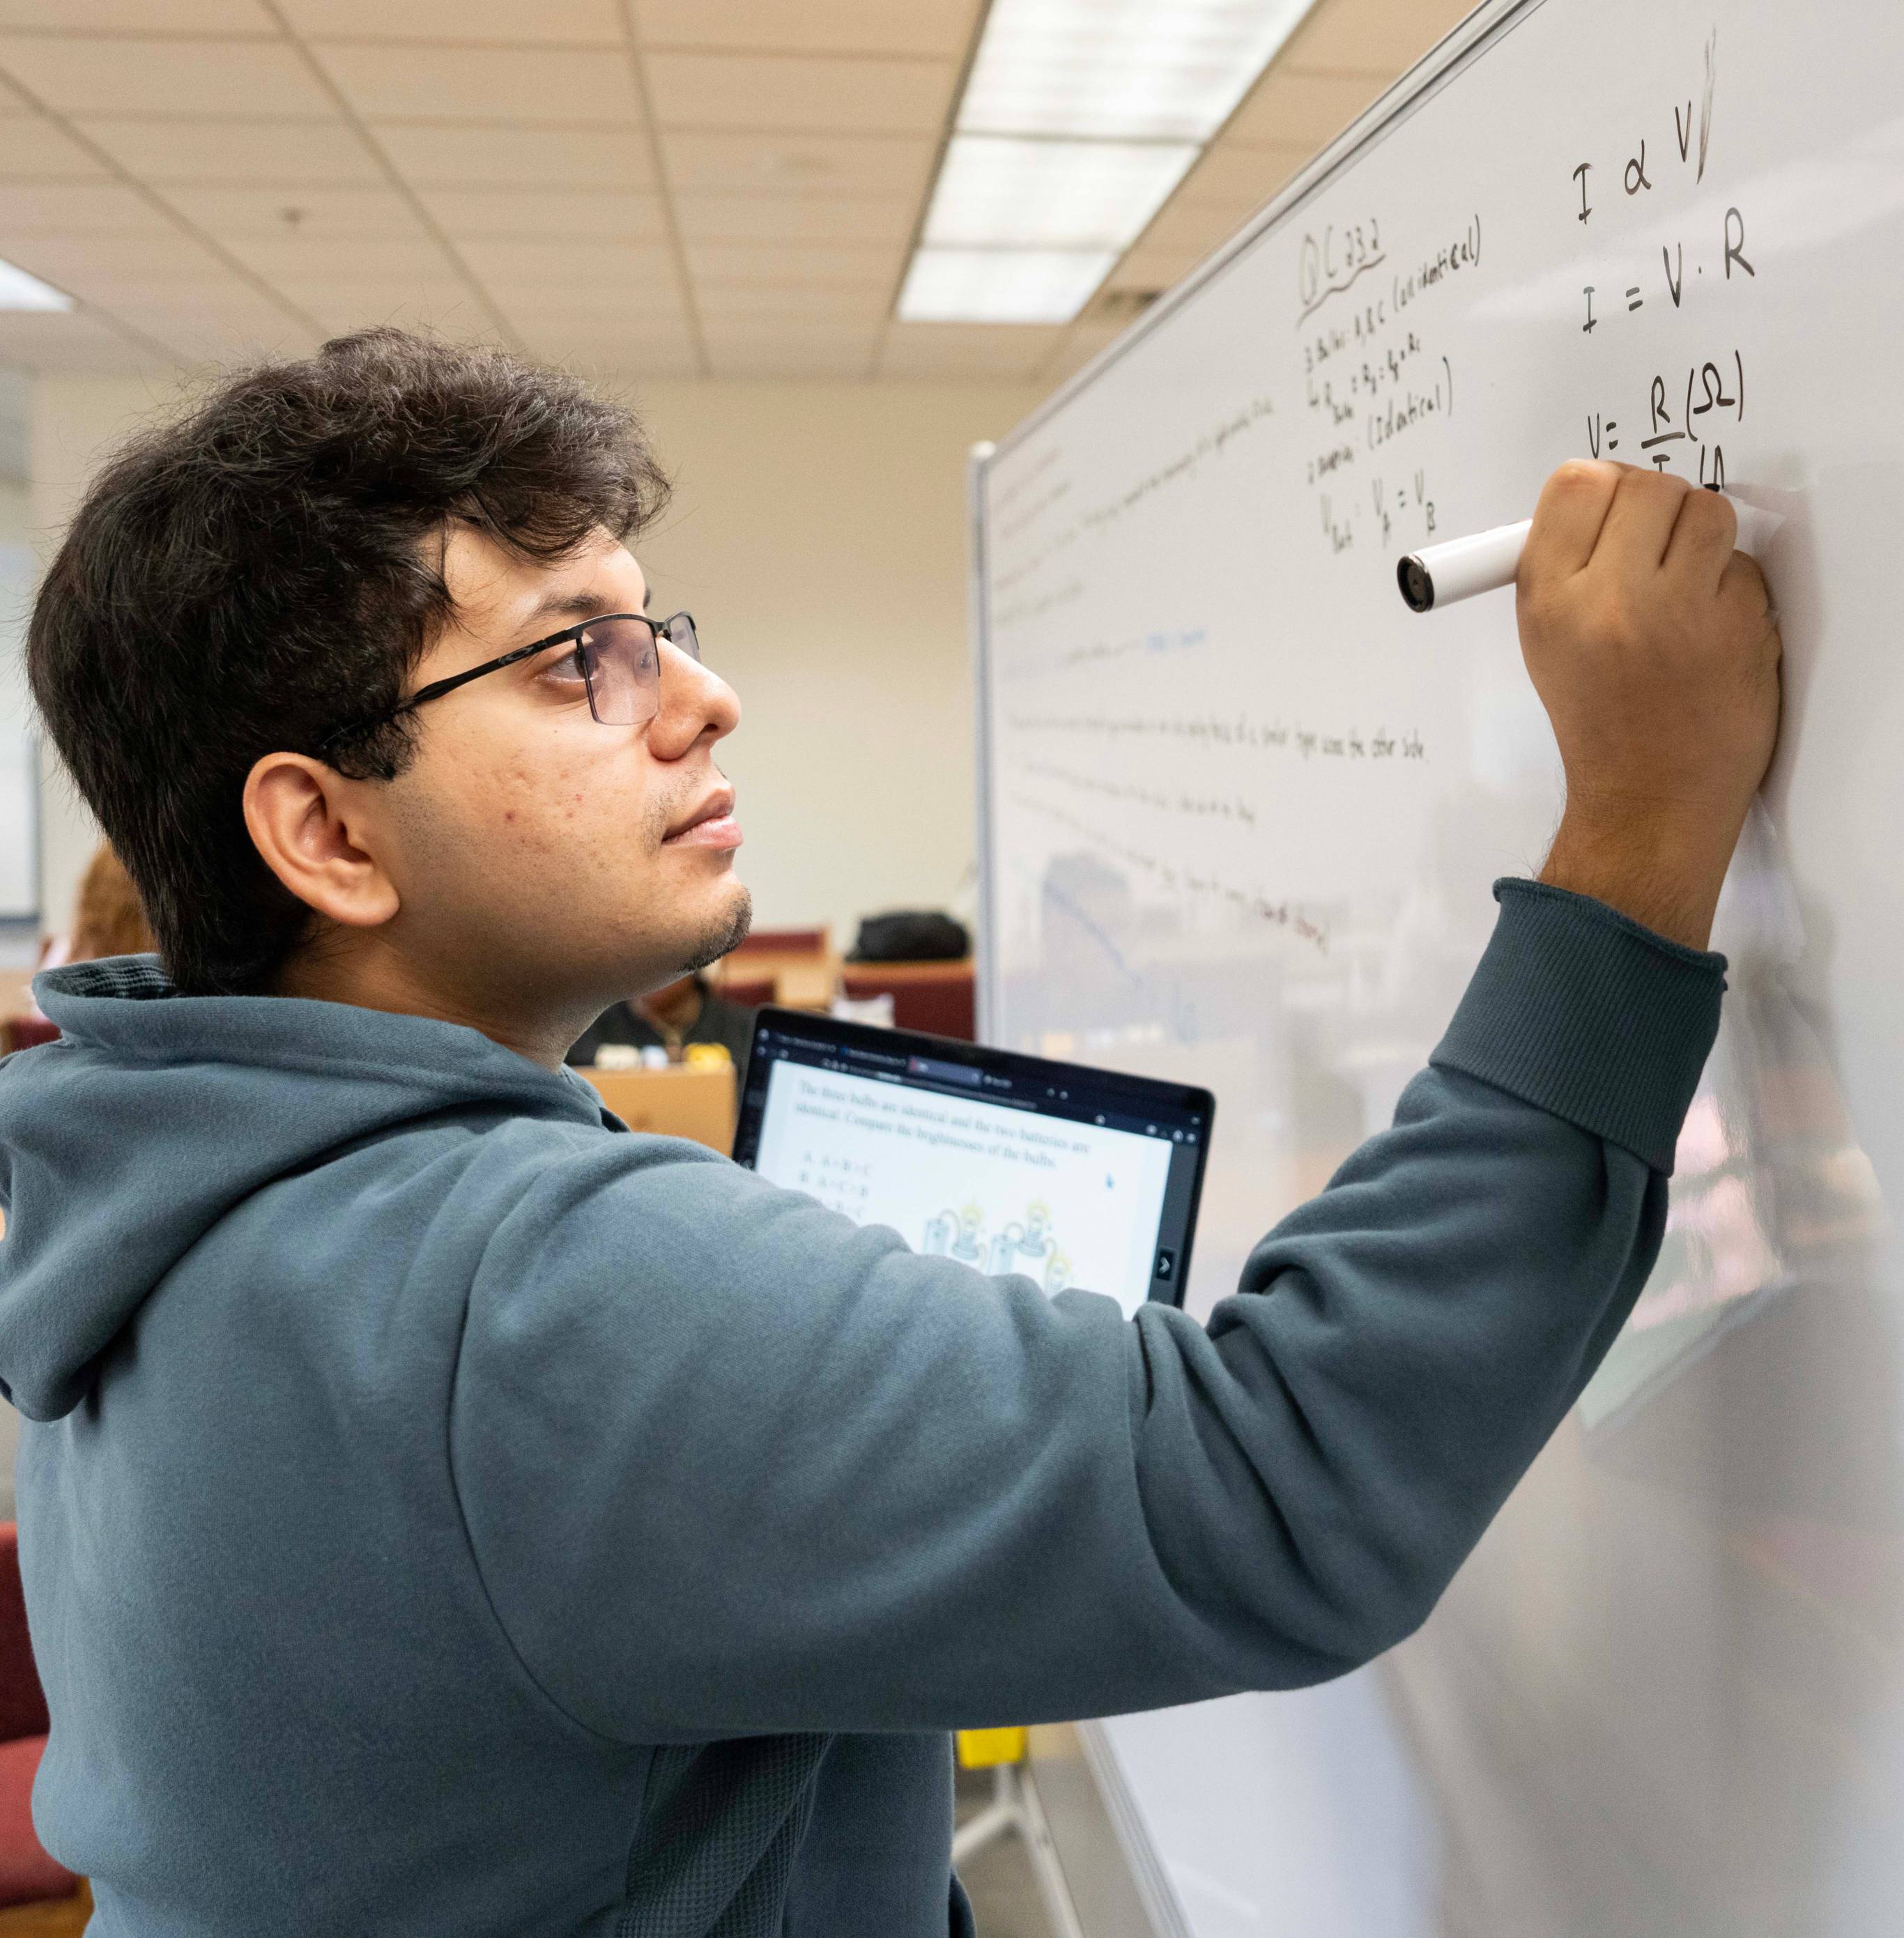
x: 1580, y: 1011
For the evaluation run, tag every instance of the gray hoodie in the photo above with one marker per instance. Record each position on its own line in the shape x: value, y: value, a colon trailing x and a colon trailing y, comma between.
x: 443, y: 1512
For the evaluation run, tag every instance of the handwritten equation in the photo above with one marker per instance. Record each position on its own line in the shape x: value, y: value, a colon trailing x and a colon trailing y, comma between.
x: 1688, y: 409
x: 1372, y: 376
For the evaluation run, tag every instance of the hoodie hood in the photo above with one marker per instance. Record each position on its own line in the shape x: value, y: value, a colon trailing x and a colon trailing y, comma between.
x: 123, y: 1142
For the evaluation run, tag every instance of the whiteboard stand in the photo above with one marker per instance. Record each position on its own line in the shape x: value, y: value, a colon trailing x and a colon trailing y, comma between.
x: 1015, y: 1810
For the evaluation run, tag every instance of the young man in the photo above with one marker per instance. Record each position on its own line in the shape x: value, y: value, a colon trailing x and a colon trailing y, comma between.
x: 443, y: 1513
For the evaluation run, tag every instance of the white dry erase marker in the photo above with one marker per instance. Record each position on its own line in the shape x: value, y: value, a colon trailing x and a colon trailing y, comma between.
x: 1439, y: 575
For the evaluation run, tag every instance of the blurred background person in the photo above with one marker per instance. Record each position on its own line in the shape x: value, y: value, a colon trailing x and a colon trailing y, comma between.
x: 687, y: 1012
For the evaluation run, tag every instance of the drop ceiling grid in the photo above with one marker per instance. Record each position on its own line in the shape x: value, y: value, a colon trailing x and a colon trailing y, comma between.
x: 81, y: 255
x: 730, y: 187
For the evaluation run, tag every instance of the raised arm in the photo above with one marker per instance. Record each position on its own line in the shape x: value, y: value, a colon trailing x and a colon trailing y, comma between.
x: 729, y: 1464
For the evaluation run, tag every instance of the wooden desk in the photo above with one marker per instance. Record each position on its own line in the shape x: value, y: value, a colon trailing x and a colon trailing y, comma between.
x: 802, y: 979
x: 692, y: 1100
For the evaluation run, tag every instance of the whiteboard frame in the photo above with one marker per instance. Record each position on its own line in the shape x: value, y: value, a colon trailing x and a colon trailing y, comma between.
x: 978, y: 616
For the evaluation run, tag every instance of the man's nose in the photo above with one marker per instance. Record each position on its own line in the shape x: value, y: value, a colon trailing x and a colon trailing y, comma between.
x: 695, y: 702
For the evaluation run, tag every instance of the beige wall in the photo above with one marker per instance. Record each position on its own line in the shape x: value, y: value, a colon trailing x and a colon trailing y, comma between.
x: 817, y: 534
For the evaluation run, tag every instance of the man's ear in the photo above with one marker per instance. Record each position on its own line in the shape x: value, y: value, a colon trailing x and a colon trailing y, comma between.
x: 310, y: 825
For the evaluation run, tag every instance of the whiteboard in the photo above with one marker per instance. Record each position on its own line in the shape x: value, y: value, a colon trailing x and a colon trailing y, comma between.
x: 1241, y: 813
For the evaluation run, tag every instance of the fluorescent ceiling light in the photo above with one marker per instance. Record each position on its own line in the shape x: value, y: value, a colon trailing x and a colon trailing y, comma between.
x: 1078, y: 119
x: 994, y: 189
x: 1169, y: 69
x: 1001, y: 285
x: 18, y: 290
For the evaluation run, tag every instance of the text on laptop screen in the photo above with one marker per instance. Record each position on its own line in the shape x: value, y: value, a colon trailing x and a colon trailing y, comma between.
x: 1067, y: 1189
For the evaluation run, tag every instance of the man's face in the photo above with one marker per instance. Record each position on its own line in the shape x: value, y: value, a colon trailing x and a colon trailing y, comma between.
x: 540, y: 856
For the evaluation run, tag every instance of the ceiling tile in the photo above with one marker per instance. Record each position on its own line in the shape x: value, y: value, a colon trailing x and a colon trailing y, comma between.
x: 746, y: 218
x: 566, y: 270
x: 967, y: 350
x: 561, y: 86
x: 656, y: 311
x: 435, y: 155
x: 292, y: 215
x: 1084, y: 341
x: 766, y: 262
x: 1150, y: 267
x: 942, y: 27
x: 1189, y: 229
x: 137, y: 16
x: 177, y: 77
x: 34, y: 149
x: 879, y: 164
x: 1381, y: 38
x: 543, y: 213
x: 1287, y: 108
x: 740, y: 304
x: 90, y: 265
x: 80, y: 209
x: 287, y: 153
x: 337, y: 305
x: 782, y: 362
x: 815, y: 93
x: 570, y: 23
x: 1239, y: 178
x: 302, y: 258
x: 789, y: 349
x: 78, y: 343
x: 637, y: 354
x: 210, y: 325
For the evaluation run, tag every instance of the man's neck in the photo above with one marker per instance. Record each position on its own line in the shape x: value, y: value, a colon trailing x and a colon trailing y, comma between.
x: 361, y: 971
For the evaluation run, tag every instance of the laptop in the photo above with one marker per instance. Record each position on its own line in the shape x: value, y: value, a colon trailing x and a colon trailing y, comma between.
x: 1071, y: 1176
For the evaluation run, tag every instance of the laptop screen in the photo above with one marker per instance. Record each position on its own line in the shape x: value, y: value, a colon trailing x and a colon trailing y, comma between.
x: 1071, y: 1175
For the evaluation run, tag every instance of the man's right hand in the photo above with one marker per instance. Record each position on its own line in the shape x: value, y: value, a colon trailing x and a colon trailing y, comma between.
x: 1654, y: 647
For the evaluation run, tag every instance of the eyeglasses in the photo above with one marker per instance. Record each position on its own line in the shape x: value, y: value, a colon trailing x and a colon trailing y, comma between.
x: 617, y: 657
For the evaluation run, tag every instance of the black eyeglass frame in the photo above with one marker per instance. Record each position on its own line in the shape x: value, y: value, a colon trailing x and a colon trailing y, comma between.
x: 436, y: 689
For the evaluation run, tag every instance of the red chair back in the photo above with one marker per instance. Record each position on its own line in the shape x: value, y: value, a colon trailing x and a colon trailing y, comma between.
x: 783, y: 941
x: 942, y: 1002
x: 23, y: 1703
x: 749, y: 991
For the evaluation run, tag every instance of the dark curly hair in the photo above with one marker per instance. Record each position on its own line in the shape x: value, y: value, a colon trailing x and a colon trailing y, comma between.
x: 263, y: 570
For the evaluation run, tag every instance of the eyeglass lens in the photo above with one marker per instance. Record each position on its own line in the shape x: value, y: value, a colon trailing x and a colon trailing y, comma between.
x: 621, y: 659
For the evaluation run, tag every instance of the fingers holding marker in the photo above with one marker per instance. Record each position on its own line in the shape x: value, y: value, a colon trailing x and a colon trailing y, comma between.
x: 1587, y: 509
x: 1704, y: 536
x: 1641, y: 520
x: 1568, y: 520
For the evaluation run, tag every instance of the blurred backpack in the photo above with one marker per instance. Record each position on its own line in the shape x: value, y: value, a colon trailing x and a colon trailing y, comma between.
x: 914, y: 935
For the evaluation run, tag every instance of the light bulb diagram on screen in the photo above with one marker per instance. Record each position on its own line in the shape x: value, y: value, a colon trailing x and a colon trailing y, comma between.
x: 998, y: 1190
x: 1024, y: 1244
